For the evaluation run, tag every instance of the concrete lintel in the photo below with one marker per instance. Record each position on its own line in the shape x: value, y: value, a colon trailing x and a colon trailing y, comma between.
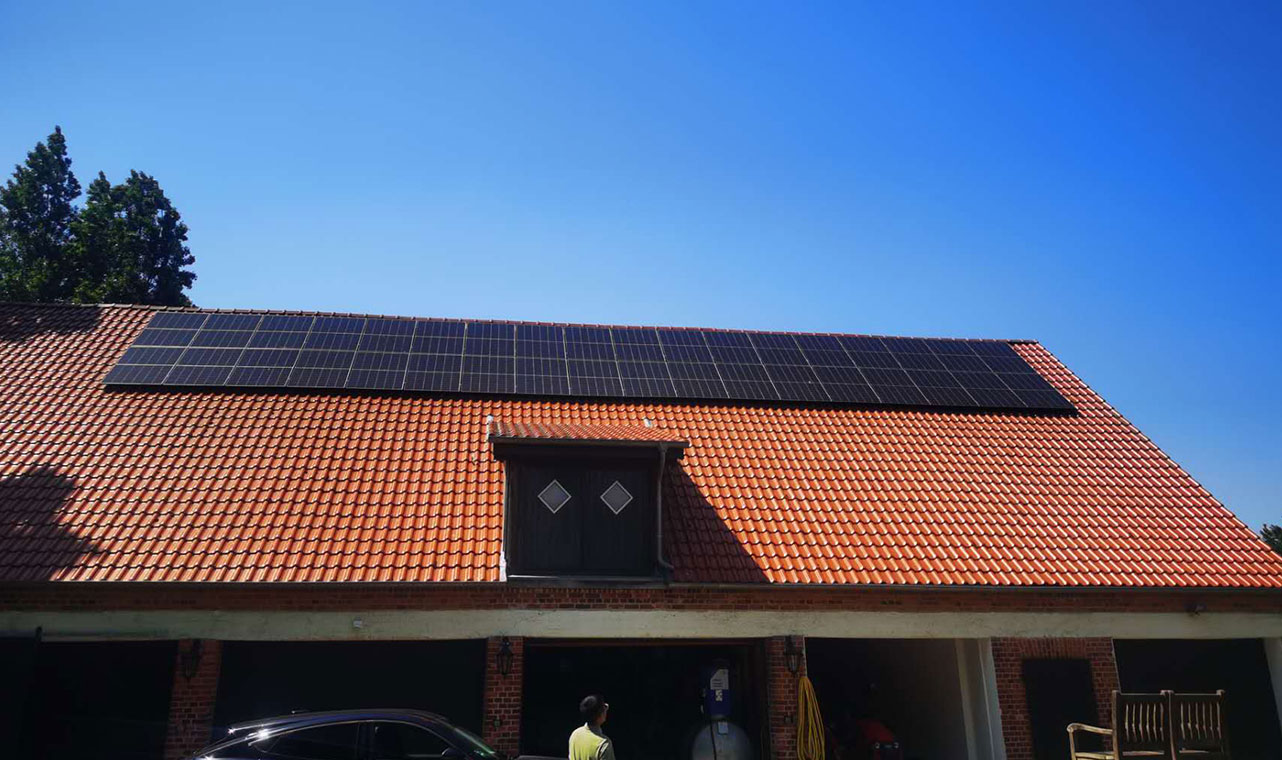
x: 641, y: 624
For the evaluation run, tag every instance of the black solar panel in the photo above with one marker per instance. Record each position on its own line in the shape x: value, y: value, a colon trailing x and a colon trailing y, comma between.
x: 454, y: 356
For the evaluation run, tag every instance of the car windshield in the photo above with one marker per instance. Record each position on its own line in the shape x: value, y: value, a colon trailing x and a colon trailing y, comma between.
x: 476, y: 745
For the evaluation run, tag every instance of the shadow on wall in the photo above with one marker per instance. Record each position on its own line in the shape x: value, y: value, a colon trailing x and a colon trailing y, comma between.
x: 697, y: 540
x: 33, y: 544
x: 20, y: 323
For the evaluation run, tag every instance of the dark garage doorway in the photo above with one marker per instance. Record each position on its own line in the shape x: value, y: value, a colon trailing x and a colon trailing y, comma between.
x: 97, y: 699
x: 261, y: 679
x: 1239, y: 666
x: 912, y: 687
x: 17, y: 663
x: 654, y: 692
x: 1057, y: 692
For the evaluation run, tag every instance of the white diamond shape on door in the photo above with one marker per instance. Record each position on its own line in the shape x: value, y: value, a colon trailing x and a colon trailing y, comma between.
x: 554, y: 496
x: 616, y: 497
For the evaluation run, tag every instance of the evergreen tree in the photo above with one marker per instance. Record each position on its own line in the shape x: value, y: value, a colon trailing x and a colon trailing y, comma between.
x: 93, y: 242
x: 130, y: 244
x: 1272, y: 536
x: 36, y: 214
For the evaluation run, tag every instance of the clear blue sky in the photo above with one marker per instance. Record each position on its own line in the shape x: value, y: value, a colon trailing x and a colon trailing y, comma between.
x: 1103, y: 177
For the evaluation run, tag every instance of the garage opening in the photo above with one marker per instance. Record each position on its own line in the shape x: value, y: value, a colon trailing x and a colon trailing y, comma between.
x: 1239, y: 666
x: 906, y: 691
x: 261, y: 679
x: 655, y: 693
x: 1057, y: 692
x: 99, y: 699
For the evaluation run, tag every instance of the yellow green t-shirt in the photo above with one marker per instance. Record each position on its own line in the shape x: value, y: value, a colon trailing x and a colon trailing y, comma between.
x: 588, y: 743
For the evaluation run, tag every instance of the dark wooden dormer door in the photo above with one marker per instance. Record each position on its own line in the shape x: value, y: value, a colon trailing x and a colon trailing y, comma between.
x: 623, y: 541
x: 601, y: 529
x: 547, y: 541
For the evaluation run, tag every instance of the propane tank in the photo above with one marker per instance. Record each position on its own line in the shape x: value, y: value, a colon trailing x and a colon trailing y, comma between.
x: 718, y: 738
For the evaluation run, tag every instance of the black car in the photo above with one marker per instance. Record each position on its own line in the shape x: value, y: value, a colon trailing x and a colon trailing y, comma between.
x: 351, y: 735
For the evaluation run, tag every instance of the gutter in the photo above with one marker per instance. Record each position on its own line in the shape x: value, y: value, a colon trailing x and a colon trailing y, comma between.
x: 658, y: 512
x: 50, y: 585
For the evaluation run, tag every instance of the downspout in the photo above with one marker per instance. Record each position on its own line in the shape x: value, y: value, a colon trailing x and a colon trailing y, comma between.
x: 658, y: 523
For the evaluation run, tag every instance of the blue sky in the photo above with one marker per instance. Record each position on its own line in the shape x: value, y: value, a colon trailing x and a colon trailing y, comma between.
x: 1101, y: 177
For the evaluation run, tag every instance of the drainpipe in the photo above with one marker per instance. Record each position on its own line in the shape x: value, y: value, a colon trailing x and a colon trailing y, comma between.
x: 658, y: 529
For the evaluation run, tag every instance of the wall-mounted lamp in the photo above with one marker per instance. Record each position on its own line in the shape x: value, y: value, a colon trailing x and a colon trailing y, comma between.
x: 189, y: 661
x: 792, y: 650
x: 1195, y: 608
x: 505, y: 656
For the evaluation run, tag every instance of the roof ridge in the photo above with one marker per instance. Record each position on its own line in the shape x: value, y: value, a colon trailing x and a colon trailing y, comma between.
x: 140, y: 306
x: 306, y: 313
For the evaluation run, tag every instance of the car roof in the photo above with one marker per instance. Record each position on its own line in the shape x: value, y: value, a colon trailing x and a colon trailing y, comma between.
x: 239, y: 732
x: 337, y: 716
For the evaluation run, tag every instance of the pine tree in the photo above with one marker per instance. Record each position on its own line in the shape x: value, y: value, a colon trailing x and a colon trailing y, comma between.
x: 1272, y: 536
x: 93, y: 243
x: 36, y: 214
x: 128, y: 245
x: 131, y: 245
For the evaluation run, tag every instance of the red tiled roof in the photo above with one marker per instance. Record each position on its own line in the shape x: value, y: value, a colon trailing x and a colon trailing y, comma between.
x: 130, y: 485
x: 568, y: 431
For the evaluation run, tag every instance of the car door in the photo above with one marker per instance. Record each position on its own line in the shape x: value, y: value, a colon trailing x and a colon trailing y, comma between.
x: 334, y: 741
x: 394, y: 740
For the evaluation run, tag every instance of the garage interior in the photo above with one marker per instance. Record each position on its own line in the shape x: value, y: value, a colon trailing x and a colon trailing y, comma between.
x: 1239, y: 666
x: 265, y: 678
x: 87, y: 699
x: 654, y: 691
x: 1057, y: 692
x: 911, y: 686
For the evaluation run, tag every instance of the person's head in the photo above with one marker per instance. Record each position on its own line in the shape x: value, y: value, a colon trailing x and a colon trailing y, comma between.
x: 593, y: 709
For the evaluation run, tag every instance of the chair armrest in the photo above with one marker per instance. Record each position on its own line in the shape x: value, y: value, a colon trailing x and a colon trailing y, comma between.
x: 1089, y: 729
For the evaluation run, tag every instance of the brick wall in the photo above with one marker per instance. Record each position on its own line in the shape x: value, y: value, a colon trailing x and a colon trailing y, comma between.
x: 1008, y: 658
x: 781, y: 696
x: 191, y: 702
x: 502, y: 713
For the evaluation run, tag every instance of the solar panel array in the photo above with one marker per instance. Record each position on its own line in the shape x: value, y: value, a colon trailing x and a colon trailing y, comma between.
x: 235, y: 350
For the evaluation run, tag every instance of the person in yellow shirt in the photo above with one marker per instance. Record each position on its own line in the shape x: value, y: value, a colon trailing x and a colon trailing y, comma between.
x: 588, y: 742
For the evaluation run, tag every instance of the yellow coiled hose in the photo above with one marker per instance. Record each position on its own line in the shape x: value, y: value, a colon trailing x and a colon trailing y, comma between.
x: 810, y: 723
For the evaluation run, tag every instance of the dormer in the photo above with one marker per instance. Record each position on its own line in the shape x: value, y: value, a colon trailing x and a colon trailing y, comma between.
x: 583, y: 501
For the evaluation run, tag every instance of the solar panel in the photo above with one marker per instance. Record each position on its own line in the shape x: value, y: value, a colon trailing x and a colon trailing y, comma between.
x: 437, y: 338
x: 332, y: 340
x: 222, y: 338
x: 277, y: 340
x: 235, y: 349
x: 268, y: 357
x: 259, y: 376
x: 179, y: 320
x: 230, y: 321
x: 161, y: 337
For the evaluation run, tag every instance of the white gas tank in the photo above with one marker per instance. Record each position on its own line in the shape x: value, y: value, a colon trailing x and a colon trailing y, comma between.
x: 721, y: 740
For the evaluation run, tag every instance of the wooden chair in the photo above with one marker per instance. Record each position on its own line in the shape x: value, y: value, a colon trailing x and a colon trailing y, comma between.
x: 1197, y: 727
x: 1141, y: 729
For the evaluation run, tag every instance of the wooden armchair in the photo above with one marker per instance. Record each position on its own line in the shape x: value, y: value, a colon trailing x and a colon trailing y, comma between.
x: 1141, y: 729
x: 1197, y: 727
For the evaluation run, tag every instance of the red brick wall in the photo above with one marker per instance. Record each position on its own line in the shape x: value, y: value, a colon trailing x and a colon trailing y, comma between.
x: 191, y: 703
x: 781, y: 695
x: 1008, y: 657
x: 502, y: 713
x: 344, y: 597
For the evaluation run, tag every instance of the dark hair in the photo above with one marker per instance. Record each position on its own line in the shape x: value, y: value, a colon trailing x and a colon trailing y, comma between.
x: 591, y: 707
